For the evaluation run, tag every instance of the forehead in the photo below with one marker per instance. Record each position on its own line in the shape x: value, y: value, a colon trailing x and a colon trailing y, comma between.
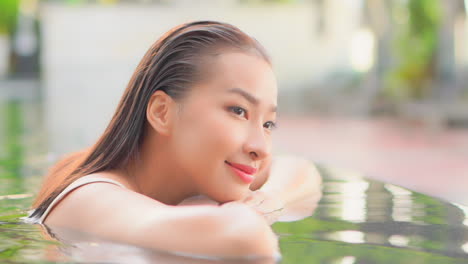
x: 248, y: 72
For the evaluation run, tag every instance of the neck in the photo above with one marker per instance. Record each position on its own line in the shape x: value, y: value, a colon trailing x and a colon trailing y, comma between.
x: 156, y: 175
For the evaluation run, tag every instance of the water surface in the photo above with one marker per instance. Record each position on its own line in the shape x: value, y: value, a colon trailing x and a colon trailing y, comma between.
x: 357, y: 220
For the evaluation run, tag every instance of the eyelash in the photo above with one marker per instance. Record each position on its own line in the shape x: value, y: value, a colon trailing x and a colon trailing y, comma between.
x: 235, y: 110
x: 273, y: 125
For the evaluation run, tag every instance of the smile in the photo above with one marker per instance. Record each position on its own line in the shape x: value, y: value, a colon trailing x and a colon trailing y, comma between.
x: 244, y: 172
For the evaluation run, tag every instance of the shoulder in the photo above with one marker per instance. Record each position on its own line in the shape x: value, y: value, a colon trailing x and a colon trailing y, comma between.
x: 92, y: 198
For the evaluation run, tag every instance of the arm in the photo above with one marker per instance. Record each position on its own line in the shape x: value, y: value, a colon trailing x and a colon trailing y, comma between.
x: 125, y: 216
x: 212, y: 230
x: 286, y: 189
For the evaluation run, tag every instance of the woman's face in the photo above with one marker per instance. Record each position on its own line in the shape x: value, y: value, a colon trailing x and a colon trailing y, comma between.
x: 227, y: 119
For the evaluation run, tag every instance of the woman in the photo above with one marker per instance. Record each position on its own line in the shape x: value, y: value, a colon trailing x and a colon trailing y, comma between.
x: 192, y: 128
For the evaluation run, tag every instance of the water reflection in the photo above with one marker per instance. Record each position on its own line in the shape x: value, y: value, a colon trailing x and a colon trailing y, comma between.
x: 388, y: 224
x: 20, y: 243
x: 402, y: 208
x: 348, y: 236
x: 396, y: 226
x: 399, y: 240
x: 91, y: 249
x: 464, y: 209
x: 11, y: 149
x: 465, y: 247
x: 354, y: 202
x: 348, y: 260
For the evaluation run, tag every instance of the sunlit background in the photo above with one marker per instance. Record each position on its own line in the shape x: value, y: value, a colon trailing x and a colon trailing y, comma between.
x: 372, y: 88
x: 378, y: 87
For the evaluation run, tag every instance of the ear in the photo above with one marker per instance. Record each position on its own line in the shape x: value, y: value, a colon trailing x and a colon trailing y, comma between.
x: 160, y: 112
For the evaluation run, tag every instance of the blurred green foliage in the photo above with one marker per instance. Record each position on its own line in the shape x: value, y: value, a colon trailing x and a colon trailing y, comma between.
x: 416, y: 26
x: 11, y: 161
x: 252, y: 2
x: 8, y: 15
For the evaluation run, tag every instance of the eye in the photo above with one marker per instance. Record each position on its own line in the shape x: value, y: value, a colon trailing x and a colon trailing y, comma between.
x: 270, y: 125
x: 238, y: 110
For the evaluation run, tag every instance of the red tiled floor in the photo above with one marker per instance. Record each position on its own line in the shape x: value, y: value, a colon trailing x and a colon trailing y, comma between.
x: 433, y: 161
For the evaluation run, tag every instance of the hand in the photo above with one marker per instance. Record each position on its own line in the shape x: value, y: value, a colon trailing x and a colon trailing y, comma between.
x: 296, y: 183
x: 266, y: 204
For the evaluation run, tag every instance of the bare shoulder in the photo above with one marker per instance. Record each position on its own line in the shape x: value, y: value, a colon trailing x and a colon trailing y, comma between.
x: 85, y: 206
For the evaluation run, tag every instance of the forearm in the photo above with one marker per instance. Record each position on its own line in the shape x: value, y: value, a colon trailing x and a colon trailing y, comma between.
x: 209, y: 231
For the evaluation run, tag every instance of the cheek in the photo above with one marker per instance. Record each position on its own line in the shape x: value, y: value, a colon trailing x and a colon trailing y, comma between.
x: 208, y: 138
x: 224, y: 133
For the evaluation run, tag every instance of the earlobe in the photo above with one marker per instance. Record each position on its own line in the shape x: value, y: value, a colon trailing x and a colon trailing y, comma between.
x: 159, y: 112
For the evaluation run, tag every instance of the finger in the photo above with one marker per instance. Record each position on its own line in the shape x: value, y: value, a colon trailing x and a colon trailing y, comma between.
x: 255, y: 198
x: 274, y: 216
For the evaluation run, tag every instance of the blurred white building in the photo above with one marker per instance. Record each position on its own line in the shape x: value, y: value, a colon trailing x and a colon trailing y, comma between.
x: 90, y: 51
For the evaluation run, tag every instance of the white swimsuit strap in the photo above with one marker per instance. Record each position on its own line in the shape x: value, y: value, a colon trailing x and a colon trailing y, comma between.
x: 78, y: 183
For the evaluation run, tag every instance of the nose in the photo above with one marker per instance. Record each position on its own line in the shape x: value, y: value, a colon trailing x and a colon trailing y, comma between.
x: 258, y: 144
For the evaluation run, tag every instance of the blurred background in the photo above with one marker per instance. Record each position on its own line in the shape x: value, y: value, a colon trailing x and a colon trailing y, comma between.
x: 376, y: 88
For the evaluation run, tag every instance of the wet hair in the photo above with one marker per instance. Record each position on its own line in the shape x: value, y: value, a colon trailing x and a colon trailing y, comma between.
x: 172, y: 64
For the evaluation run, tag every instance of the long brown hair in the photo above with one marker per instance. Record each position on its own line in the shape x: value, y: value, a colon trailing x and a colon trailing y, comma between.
x: 172, y: 65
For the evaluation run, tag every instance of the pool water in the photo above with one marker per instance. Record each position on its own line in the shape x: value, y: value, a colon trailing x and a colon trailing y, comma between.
x: 357, y: 221
x: 364, y: 221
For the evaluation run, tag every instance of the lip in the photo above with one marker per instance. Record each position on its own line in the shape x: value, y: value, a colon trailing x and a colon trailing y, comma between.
x: 245, y: 168
x: 244, y: 172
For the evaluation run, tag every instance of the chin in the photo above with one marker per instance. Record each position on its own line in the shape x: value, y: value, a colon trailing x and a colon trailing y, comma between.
x: 237, y: 195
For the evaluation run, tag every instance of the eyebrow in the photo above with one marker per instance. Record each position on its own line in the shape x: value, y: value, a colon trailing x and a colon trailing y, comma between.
x: 252, y: 99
